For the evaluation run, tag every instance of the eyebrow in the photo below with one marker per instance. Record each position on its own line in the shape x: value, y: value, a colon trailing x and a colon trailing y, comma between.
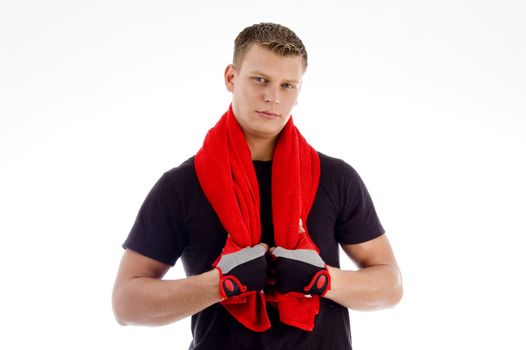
x: 256, y: 72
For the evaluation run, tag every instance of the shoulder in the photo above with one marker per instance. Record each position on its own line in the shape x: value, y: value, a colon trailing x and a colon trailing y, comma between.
x: 336, y: 169
x: 181, y: 175
x: 340, y: 179
x: 185, y: 167
x: 183, y: 182
x: 170, y: 186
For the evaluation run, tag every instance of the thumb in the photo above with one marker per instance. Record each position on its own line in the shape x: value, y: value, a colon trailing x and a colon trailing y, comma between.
x: 264, y: 246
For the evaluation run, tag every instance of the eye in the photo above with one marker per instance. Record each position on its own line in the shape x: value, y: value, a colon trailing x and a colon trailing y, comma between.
x: 288, y: 86
x: 260, y: 80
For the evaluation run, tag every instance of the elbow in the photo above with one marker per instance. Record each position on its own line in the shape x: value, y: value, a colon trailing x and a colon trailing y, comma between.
x: 120, y: 309
x: 119, y: 314
x: 119, y: 317
x: 397, y: 291
x: 396, y: 296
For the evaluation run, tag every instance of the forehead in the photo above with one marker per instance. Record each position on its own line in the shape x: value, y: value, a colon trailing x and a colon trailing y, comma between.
x: 260, y: 59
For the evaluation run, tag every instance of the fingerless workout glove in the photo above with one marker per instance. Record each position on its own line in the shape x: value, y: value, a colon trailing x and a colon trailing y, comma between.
x: 299, y: 270
x: 242, y: 271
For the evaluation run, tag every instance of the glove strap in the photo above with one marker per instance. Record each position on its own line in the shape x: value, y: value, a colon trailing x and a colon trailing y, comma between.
x: 320, y: 283
x: 230, y: 286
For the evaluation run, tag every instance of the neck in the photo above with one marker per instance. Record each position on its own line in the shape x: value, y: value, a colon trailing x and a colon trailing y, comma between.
x: 261, y: 149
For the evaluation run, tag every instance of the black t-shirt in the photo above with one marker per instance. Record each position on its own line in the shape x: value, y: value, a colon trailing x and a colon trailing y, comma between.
x: 176, y: 220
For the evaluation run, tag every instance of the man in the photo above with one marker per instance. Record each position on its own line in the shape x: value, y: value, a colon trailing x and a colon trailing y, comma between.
x: 257, y: 216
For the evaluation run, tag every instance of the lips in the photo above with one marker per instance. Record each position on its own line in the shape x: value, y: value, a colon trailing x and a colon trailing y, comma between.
x: 268, y: 114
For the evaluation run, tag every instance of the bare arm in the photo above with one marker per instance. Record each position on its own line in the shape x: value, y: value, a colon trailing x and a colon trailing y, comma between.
x: 141, y: 297
x: 376, y: 285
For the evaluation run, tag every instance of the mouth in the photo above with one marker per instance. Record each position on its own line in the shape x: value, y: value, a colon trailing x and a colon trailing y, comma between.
x: 268, y: 114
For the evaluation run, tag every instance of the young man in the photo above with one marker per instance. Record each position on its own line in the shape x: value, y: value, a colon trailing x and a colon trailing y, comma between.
x: 257, y: 216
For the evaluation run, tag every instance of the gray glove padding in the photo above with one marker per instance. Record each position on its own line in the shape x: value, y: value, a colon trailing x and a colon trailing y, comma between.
x: 242, y: 271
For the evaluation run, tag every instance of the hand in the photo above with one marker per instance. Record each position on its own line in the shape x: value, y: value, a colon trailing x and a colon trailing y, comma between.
x: 242, y: 271
x: 299, y: 270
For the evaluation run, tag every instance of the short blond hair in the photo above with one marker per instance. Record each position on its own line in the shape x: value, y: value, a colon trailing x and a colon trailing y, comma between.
x: 274, y: 37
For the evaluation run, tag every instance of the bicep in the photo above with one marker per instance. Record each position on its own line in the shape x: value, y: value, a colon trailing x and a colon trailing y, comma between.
x: 374, y: 252
x: 135, y: 265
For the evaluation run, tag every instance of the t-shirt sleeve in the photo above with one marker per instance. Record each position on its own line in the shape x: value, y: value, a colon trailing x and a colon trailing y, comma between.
x: 357, y: 221
x: 158, y: 232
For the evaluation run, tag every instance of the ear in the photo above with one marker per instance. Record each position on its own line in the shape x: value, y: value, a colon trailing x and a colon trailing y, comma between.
x: 230, y: 77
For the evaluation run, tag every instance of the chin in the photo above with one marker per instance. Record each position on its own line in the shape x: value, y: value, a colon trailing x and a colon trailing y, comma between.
x: 265, y: 132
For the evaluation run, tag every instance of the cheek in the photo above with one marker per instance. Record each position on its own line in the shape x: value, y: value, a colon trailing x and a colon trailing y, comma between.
x: 250, y: 95
x: 241, y: 96
x: 290, y: 99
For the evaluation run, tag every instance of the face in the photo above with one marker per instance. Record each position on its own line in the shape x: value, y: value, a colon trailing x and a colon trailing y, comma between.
x: 264, y: 90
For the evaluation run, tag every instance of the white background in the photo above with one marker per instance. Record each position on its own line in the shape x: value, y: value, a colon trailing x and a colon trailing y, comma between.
x: 426, y: 99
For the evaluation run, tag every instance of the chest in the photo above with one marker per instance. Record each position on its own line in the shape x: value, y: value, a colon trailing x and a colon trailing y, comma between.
x: 206, y: 235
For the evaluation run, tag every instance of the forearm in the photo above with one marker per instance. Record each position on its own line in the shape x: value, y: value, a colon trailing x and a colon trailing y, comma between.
x: 370, y: 288
x: 153, y: 302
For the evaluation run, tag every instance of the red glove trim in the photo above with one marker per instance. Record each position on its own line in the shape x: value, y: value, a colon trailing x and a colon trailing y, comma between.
x: 320, y: 283
x: 229, y: 286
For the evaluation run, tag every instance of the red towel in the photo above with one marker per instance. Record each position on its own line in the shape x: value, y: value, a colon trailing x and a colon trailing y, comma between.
x: 228, y: 179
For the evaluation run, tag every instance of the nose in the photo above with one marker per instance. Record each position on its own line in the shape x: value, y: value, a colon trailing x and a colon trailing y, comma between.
x: 271, y: 95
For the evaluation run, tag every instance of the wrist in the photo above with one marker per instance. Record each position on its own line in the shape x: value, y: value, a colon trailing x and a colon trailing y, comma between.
x: 334, y: 274
x: 211, y: 280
